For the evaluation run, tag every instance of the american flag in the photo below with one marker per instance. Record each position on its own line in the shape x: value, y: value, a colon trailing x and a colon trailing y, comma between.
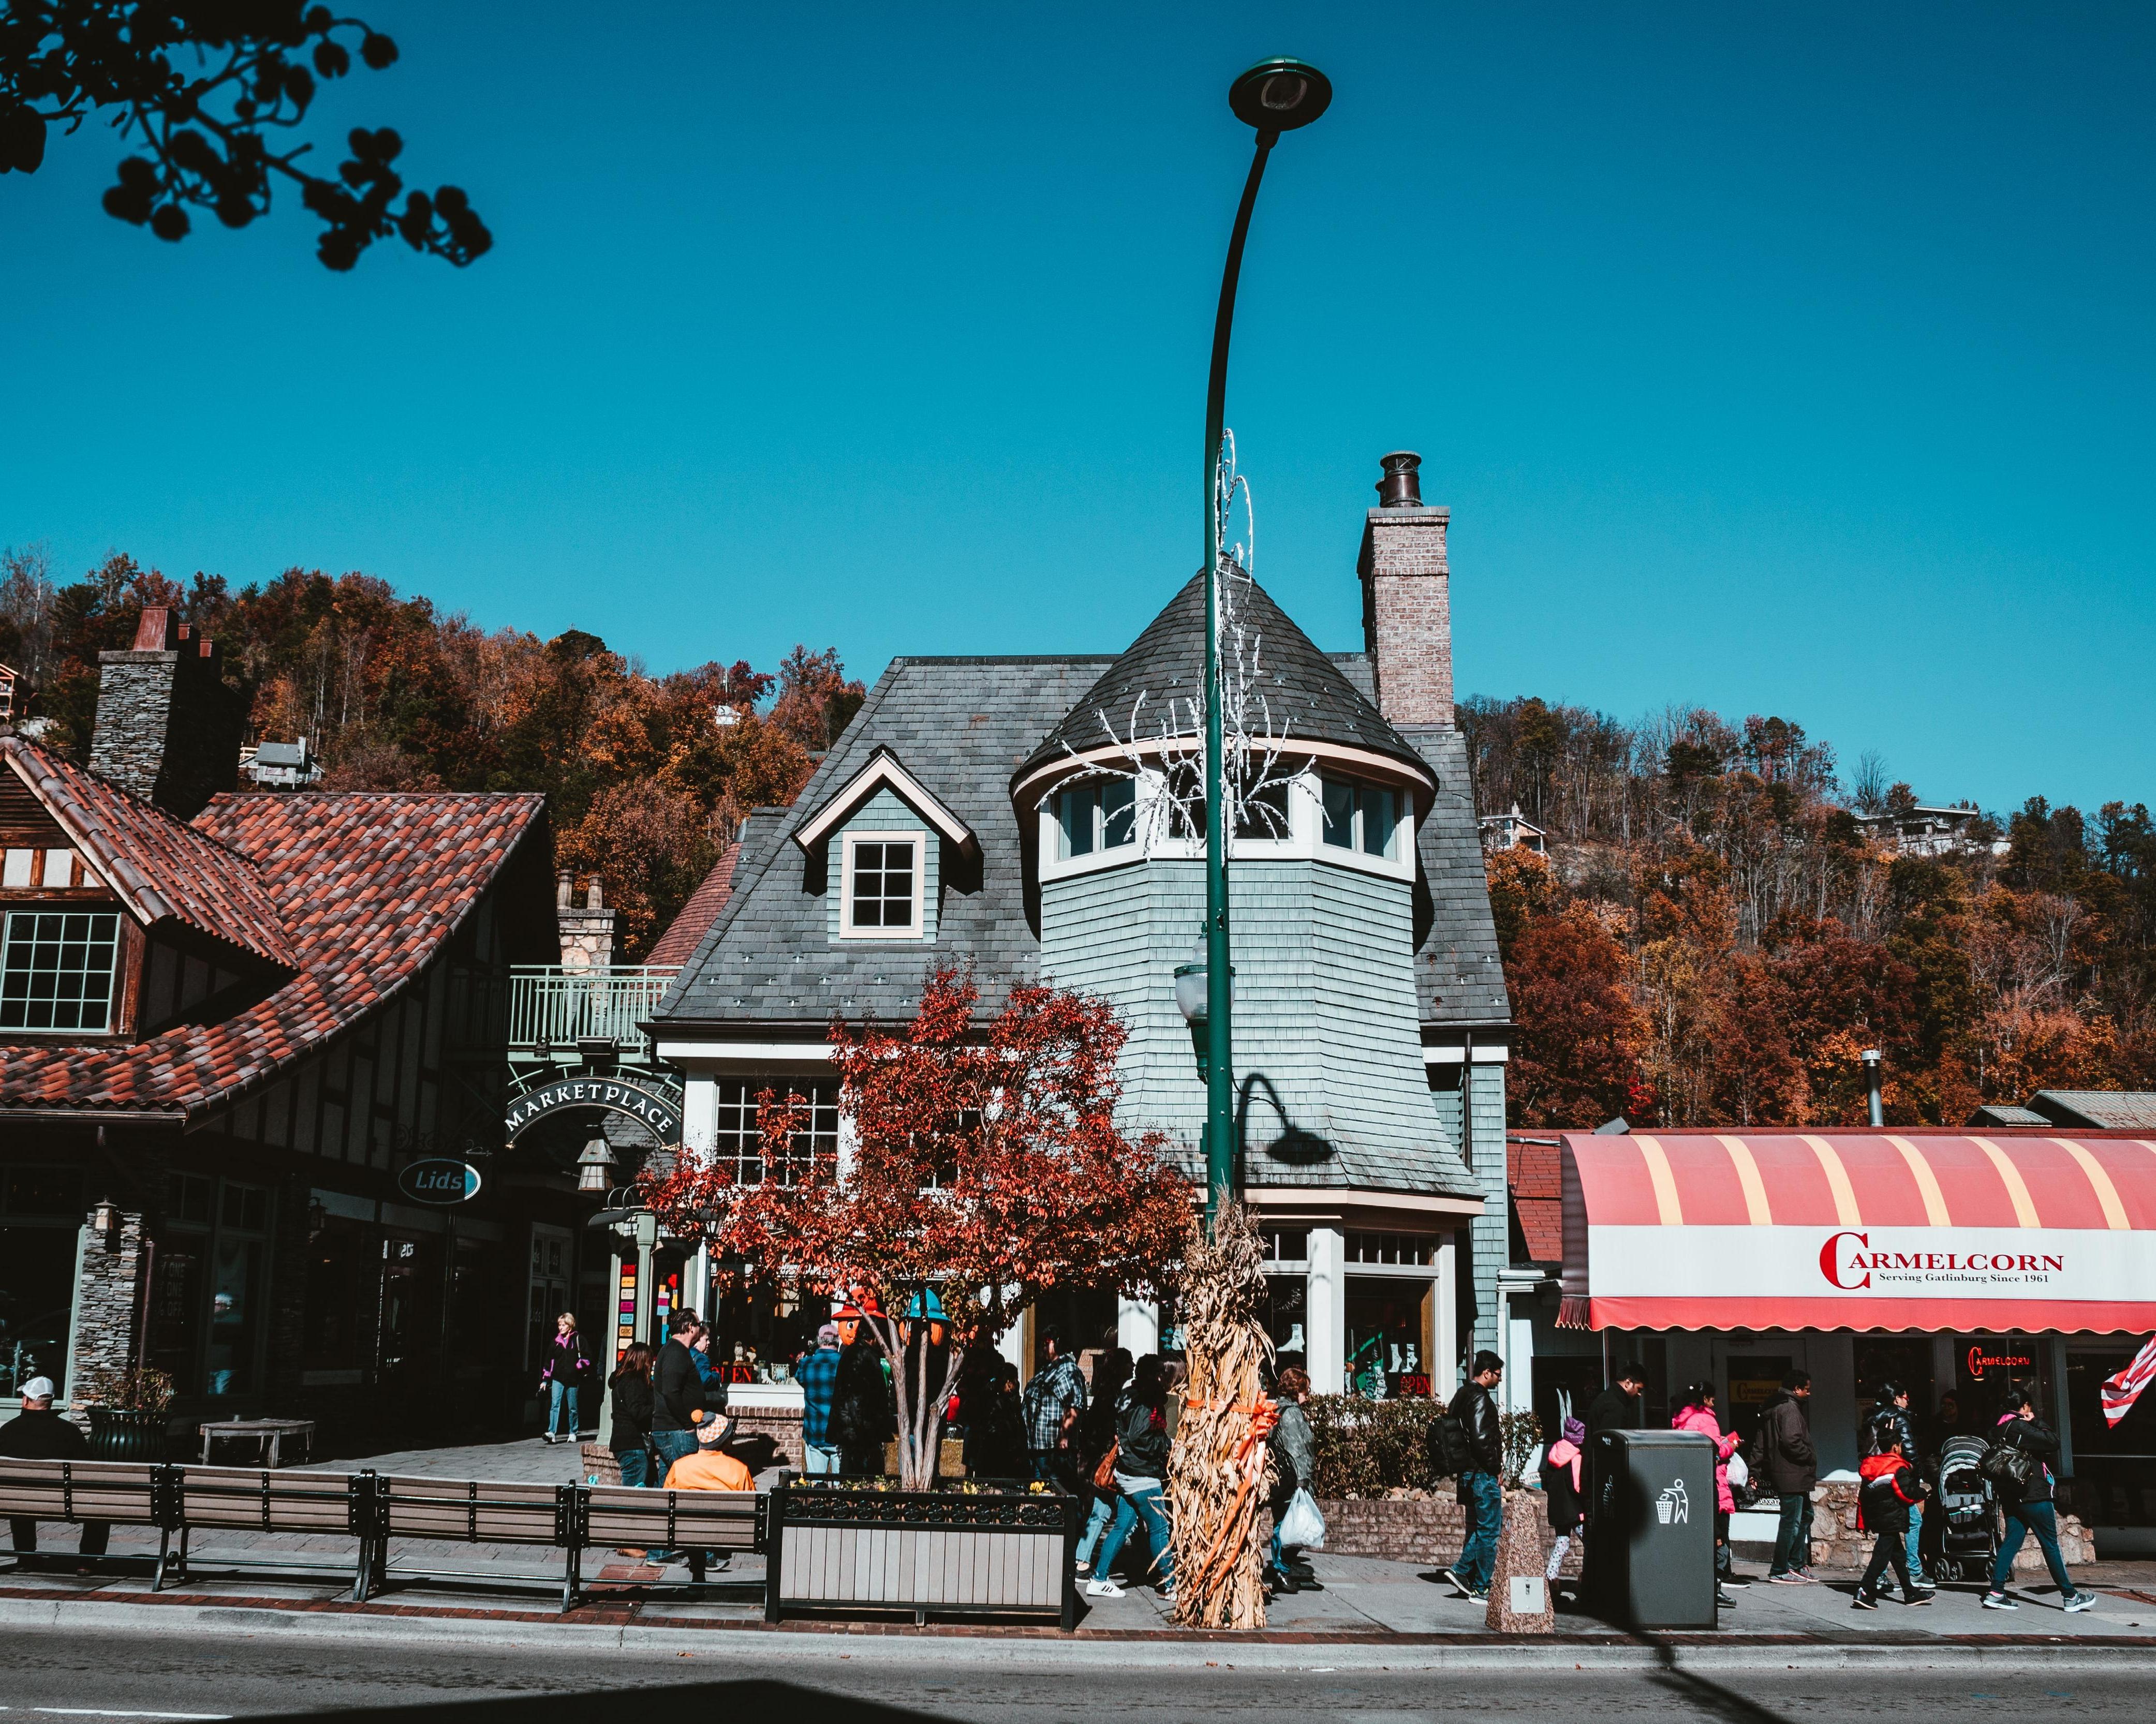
x: 2120, y: 1391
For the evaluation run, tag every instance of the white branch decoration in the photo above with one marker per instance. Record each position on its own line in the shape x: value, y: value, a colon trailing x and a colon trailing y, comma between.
x: 1165, y: 760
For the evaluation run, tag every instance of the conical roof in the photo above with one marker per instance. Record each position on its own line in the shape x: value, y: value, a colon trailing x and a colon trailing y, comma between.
x: 1306, y: 696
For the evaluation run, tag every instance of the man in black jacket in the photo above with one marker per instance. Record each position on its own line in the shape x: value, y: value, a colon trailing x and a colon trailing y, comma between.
x: 1617, y: 1407
x: 679, y: 1395
x: 39, y: 1433
x: 1788, y: 1466
x: 1481, y: 1489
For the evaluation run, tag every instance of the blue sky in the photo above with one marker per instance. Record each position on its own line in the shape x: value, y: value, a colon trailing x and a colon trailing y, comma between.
x: 1788, y: 359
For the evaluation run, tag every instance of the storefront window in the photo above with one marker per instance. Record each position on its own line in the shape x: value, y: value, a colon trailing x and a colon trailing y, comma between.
x: 1386, y: 1320
x: 547, y: 1290
x: 205, y: 1305
x: 41, y: 1211
x: 410, y: 1344
x: 2114, y: 1466
x: 337, y: 1262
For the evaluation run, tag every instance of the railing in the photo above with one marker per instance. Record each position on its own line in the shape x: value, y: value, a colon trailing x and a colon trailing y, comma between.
x: 557, y: 1007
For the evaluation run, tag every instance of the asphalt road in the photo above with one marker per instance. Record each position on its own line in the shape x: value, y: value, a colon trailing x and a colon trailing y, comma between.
x: 55, y: 1678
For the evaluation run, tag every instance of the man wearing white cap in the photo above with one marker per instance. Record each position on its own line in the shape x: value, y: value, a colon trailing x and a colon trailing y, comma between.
x: 39, y: 1433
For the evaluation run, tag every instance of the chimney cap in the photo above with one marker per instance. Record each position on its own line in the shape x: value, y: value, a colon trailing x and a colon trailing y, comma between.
x: 155, y: 632
x: 1401, y: 488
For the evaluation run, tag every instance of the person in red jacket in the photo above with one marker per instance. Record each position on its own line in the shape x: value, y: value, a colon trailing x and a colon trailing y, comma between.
x: 1890, y: 1489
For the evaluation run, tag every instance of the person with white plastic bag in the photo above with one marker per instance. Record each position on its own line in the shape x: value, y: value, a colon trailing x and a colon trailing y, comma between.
x: 1297, y: 1525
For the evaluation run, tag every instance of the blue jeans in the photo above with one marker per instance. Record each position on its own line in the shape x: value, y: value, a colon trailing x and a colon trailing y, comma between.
x: 1129, y: 1507
x: 554, y: 1408
x: 1096, y: 1523
x: 2022, y: 1519
x: 1485, y: 1513
x: 671, y: 1446
x: 635, y: 1467
x: 1793, y: 1538
x: 818, y: 1460
x: 1916, y: 1529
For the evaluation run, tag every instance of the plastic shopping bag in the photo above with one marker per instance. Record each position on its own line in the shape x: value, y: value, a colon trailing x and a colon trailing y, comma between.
x: 1740, y: 1475
x: 1302, y: 1525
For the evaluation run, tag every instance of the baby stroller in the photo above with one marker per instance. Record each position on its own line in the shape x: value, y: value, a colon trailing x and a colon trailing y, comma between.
x: 1968, y: 1527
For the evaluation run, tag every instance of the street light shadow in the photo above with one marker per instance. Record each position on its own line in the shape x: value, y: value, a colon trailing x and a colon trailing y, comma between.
x: 753, y: 1698
x: 1710, y: 1699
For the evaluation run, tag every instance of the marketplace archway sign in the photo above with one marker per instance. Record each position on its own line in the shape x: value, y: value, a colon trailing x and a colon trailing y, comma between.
x: 655, y: 1107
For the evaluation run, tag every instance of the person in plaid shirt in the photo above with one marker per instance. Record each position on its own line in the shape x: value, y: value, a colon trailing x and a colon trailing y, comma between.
x: 817, y: 1374
x: 1054, y: 1399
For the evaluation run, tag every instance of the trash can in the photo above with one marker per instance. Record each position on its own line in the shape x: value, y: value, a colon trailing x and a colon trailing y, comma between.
x: 1651, y: 1539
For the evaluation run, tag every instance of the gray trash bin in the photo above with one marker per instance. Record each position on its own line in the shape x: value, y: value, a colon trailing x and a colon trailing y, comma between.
x: 1651, y: 1539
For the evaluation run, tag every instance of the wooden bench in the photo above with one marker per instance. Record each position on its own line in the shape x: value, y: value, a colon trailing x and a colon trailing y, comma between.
x: 121, y: 1493
x: 372, y: 1508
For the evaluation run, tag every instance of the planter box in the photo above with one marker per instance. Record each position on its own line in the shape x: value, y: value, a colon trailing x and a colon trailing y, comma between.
x: 946, y: 1552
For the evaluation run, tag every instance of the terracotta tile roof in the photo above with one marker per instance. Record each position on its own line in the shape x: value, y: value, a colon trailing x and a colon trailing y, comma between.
x: 680, y: 941
x: 365, y: 887
x: 162, y: 869
x: 1536, y: 1174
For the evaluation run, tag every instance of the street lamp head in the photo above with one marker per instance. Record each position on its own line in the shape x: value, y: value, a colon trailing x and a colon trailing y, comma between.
x: 1280, y: 94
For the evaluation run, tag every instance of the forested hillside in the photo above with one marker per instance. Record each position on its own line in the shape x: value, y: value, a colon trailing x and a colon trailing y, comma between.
x: 1713, y: 939
x: 646, y: 777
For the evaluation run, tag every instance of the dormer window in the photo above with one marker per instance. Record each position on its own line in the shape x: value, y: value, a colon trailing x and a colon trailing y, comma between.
x: 882, y: 884
x: 56, y: 969
x: 1360, y: 817
x: 1099, y: 816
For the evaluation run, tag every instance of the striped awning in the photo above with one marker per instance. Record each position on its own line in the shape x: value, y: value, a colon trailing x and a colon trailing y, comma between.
x: 1859, y: 1231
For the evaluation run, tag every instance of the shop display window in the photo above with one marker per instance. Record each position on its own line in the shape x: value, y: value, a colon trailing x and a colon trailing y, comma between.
x: 1387, y: 1325
x: 41, y: 1213
x: 207, y: 1304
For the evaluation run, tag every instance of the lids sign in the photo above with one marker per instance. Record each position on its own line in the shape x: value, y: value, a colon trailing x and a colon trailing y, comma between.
x: 438, y: 1181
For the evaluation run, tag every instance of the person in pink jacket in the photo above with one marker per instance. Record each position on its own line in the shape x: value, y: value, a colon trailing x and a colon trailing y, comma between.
x: 1696, y: 1413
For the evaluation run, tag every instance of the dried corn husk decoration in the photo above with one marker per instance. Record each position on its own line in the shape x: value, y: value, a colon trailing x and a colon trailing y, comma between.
x: 1216, y: 1469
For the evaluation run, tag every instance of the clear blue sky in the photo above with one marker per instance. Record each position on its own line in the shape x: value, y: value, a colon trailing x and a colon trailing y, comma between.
x: 1788, y: 359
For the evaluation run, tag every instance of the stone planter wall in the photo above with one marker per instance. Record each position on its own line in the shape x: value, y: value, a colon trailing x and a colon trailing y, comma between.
x: 1836, y: 1543
x: 1422, y: 1529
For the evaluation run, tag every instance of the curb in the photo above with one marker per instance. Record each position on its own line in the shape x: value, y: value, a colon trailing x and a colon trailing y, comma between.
x: 870, y: 1643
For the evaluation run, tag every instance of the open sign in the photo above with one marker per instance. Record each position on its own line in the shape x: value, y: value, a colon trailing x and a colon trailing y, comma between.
x: 438, y: 1181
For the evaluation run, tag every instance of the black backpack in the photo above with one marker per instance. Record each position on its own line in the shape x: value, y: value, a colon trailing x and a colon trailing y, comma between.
x: 1449, y: 1454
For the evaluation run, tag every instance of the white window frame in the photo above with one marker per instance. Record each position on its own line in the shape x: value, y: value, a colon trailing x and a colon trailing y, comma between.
x: 1304, y: 837
x: 914, y: 836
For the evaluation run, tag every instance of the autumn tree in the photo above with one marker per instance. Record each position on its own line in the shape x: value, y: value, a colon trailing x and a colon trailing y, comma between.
x: 986, y: 1168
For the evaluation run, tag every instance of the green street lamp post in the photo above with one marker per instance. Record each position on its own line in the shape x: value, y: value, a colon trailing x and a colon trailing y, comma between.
x: 1274, y: 97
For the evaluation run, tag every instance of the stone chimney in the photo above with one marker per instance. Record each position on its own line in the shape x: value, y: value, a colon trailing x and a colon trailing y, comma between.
x: 1407, y: 602
x: 587, y: 932
x: 167, y: 725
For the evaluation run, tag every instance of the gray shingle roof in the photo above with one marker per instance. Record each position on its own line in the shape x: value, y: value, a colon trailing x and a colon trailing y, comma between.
x: 1305, y: 692
x: 1458, y: 975
x: 960, y: 725
x: 2100, y: 1110
x: 963, y: 726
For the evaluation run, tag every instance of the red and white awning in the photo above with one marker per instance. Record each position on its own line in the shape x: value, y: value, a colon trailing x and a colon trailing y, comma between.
x: 1859, y: 1231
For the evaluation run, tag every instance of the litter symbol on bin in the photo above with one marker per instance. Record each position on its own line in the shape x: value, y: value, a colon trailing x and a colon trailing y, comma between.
x: 1673, y: 1508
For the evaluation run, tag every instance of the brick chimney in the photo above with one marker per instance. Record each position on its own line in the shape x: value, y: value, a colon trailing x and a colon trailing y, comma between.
x: 167, y: 725
x: 1407, y: 602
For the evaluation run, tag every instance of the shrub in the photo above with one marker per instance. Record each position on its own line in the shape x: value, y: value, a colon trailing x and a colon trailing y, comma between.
x: 1364, y: 1448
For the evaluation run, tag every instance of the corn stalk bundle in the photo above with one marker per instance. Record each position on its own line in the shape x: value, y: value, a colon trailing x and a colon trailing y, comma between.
x: 1216, y: 1469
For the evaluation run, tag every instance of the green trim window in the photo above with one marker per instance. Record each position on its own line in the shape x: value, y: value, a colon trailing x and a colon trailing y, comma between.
x: 1360, y: 817
x: 56, y: 969
x: 1099, y: 816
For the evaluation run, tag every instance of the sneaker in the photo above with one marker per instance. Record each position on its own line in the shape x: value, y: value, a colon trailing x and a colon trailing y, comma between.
x: 1791, y: 1578
x: 1736, y: 1580
x: 1459, y: 1585
x: 2081, y: 1601
x: 1999, y: 1601
x: 1921, y: 1596
x: 1863, y: 1601
x: 1806, y: 1576
x: 1724, y: 1599
x: 1478, y: 1598
x: 1103, y: 1587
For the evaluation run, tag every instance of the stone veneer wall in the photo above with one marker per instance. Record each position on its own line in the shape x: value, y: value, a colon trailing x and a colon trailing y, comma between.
x: 1836, y: 1543
x: 104, y: 1305
x: 1415, y: 1530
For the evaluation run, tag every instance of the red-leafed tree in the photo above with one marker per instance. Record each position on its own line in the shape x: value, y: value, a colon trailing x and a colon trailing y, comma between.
x: 981, y: 1168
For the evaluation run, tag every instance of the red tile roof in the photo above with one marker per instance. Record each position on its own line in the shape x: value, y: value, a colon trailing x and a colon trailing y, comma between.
x: 365, y: 888
x: 1536, y: 1175
x: 686, y: 931
x: 163, y: 869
